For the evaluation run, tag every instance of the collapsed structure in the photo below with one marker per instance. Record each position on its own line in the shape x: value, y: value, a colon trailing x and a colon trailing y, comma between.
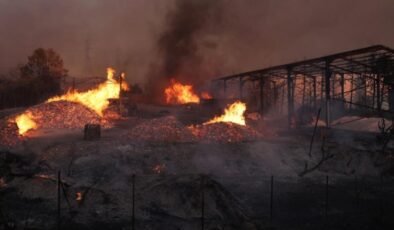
x: 361, y: 80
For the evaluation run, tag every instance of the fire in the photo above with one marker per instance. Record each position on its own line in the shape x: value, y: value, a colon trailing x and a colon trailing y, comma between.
x: 97, y: 98
x: 206, y: 95
x: 25, y: 122
x: 233, y: 113
x: 78, y: 196
x: 124, y: 84
x: 178, y: 93
x: 159, y: 168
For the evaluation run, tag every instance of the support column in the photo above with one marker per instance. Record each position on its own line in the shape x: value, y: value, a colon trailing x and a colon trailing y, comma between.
x: 365, y: 84
x: 240, y: 88
x: 314, y: 93
x: 290, y: 102
x: 261, y: 95
x: 322, y: 89
x: 342, y: 86
x: 378, y: 92
x: 343, y: 91
x: 274, y: 103
x: 224, y: 88
x: 327, y: 76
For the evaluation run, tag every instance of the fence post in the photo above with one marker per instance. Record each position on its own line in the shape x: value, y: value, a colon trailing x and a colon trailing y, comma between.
x: 381, y: 199
x: 357, y: 191
x: 272, y: 198
x: 133, y: 202
x: 58, y: 198
x: 202, y: 202
x: 326, y: 202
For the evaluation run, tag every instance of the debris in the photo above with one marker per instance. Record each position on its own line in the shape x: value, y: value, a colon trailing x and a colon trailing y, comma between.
x: 224, y: 132
x: 164, y: 129
x: 64, y: 114
x: 53, y: 115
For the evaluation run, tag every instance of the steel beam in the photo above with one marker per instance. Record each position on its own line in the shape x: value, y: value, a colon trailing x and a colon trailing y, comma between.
x: 290, y: 102
x: 327, y: 77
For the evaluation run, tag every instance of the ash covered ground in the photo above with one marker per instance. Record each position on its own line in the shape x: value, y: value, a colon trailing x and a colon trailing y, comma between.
x: 175, y: 168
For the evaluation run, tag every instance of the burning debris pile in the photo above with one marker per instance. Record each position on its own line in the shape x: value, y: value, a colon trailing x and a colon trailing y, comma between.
x: 97, y: 99
x: 178, y: 93
x: 52, y: 115
x: 63, y: 114
x: 71, y: 110
x: 164, y: 129
x: 229, y: 127
x: 233, y: 113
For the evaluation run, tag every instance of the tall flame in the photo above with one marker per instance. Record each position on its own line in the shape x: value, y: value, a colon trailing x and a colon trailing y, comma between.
x: 97, y: 98
x: 178, y: 93
x: 25, y: 123
x: 233, y: 113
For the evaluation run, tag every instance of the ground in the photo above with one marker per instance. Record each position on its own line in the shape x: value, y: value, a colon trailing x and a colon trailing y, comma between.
x: 175, y: 182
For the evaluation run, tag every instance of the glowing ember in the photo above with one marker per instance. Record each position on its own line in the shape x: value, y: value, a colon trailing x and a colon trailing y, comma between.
x: 2, y: 183
x: 78, y: 196
x: 96, y: 99
x: 159, y: 168
x: 25, y: 123
x: 233, y: 113
x: 42, y: 176
x: 178, y: 93
x: 206, y: 95
x: 124, y: 85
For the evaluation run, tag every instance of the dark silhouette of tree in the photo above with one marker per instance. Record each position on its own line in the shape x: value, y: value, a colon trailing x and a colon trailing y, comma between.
x: 35, y: 81
x: 46, y: 67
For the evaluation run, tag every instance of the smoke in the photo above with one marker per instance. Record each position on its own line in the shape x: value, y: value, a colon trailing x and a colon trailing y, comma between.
x: 178, y: 42
x: 197, y: 39
x: 179, y: 45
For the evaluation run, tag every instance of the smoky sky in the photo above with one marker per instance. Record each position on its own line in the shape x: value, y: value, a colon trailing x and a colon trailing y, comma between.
x: 236, y: 36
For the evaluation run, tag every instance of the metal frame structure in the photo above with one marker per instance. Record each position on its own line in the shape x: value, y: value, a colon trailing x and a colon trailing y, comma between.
x: 369, y: 70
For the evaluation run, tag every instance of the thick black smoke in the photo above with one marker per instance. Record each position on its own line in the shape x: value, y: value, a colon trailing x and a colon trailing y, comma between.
x: 179, y: 44
x: 152, y: 40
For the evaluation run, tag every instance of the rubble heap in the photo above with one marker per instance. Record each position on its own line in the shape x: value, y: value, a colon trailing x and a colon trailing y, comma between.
x: 64, y: 114
x: 224, y: 132
x: 163, y: 129
x: 169, y: 129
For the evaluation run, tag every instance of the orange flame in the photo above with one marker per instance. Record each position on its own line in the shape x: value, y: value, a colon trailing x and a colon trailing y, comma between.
x: 159, y: 168
x: 25, y: 122
x: 124, y: 84
x: 96, y: 99
x: 178, y: 93
x: 233, y: 113
x: 78, y: 196
x: 206, y: 95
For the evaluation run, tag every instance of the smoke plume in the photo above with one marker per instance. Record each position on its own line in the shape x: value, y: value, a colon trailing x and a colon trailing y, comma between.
x: 179, y: 45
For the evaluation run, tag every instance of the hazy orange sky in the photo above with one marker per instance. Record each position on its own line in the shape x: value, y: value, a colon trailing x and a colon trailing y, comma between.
x: 246, y: 34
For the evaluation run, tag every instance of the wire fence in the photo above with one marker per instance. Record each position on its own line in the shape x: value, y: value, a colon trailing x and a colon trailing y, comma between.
x: 287, y: 204
x: 216, y: 202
